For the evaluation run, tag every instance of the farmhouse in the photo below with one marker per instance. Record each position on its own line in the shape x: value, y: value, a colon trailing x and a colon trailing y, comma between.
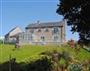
x: 12, y: 35
x: 43, y: 33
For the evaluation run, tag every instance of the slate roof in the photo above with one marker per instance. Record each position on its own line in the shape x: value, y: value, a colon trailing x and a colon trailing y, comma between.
x: 46, y: 24
x: 11, y: 31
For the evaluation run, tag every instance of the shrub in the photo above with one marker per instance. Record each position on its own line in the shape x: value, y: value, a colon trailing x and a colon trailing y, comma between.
x: 71, y: 43
x: 87, y: 48
x: 74, y: 67
x: 43, y: 64
x: 66, y: 55
x: 11, y: 66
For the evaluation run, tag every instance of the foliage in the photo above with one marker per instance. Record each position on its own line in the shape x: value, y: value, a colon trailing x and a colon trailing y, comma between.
x: 86, y: 65
x: 75, y: 67
x: 11, y: 65
x: 36, y: 58
x: 71, y: 43
x: 87, y: 48
x: 43, y: 64
x: 77, y: 14
x: 66, y: 55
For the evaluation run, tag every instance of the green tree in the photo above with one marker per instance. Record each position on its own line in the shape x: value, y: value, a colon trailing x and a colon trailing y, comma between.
x: 77, y: 13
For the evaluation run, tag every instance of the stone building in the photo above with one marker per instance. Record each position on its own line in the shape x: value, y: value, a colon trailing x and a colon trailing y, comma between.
x: 43, y: 33
x: 12, y: 35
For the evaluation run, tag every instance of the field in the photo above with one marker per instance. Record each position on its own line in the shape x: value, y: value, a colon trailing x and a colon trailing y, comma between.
x: 32, y: 52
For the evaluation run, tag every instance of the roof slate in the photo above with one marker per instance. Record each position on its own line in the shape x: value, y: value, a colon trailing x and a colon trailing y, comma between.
x: 47, y: 24
x: 11, y: 31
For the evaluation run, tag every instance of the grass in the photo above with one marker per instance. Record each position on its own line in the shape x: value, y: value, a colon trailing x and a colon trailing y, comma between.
x: 32, y: 52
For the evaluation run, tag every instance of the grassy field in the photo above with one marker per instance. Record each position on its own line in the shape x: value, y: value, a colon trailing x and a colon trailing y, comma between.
x: 32, y: 52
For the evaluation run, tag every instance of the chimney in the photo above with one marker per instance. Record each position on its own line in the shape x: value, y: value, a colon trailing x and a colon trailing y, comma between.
x: 38, y: 22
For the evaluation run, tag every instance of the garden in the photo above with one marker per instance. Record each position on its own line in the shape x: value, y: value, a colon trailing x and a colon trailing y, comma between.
x: 44, y: 58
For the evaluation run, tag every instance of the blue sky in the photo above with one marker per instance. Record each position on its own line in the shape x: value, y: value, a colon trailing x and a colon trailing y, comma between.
x: 23, y: 12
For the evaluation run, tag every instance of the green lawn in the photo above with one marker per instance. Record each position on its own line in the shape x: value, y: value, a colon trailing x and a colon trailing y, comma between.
x: 31, y: 52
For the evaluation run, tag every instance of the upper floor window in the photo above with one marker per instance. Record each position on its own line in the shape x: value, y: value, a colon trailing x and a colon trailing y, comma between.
x: 55, y: 30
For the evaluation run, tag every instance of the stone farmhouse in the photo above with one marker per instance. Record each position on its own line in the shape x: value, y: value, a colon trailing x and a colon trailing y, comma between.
x: 42, y: 33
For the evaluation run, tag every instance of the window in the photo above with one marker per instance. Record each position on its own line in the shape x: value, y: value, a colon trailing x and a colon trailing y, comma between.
x: 56, y: 38
x: 42, y: 38
x: 46, y: 30
x: 30, y: 38
x: 55, y: 30
x: 22, y: 36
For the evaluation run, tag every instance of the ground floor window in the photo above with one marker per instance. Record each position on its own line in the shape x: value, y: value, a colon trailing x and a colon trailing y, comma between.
x: 56, y: 38
x: 42, y: 38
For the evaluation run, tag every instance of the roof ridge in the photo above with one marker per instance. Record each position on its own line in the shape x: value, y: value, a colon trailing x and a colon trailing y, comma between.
x: 44, y: 24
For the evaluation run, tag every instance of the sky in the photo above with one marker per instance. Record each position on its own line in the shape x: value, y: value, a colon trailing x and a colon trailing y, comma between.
x: 23, y: 12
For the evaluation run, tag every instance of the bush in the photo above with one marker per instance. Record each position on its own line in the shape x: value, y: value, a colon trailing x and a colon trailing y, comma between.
x: 11, y: 66
x: 71, y: 43
x: 74, y: 67
x: 87, y: 48
x: 43, y: 64
x: 66, y: 56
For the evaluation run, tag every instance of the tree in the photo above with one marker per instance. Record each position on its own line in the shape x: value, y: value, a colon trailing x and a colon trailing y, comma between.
x: 77, y: 13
